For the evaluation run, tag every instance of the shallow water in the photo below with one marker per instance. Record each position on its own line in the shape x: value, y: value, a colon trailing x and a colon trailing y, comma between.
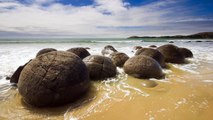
x: 185, y: 93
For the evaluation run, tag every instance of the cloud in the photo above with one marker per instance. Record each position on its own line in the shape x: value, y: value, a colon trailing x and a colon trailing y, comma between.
x: 103, y: 18
x: 111, y: 6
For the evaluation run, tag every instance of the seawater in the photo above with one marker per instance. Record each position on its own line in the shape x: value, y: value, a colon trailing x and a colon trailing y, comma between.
x: 185, y: 93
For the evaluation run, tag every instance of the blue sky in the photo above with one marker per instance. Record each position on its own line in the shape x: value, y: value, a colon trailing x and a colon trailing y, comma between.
x: 104, y: 18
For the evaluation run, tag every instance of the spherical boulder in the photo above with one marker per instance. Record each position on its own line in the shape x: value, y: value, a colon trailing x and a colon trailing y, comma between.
x: 171, y: 53
x: 119, y: 58
x: 153, y: 53
x: 79, y: 51
x: 45, y: 50
x: 143, y: 67
x: 100, y: 67
x: 137, y: 47
x: 54, y: 78
x: 186, y: 52
x: 153, y: 46
x: 108, y: 49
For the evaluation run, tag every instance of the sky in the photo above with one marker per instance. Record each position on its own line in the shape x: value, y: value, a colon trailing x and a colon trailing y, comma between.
x: 104, y: 18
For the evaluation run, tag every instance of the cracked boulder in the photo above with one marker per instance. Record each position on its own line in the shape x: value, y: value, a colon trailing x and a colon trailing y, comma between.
x: 52, y: 79
x: 79, y: 51
x: 153, y: 53
x: 45, y: 50
x: 143, y: 67
x: 171, y: 53
x: 119, y: 58
x: 100, y: 67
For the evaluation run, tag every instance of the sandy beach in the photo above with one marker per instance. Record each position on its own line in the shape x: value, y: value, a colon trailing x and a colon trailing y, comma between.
x: 184, y: 93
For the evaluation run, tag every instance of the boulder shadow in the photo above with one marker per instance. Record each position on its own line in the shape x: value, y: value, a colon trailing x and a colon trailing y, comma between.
x: 86, y: 98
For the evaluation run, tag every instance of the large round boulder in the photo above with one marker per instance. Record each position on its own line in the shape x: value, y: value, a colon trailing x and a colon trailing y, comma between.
x: 186, y: 52
x: 143, y: 67
x: 79, y: 51
x: 171, y: 53
x: 108, y: 49
x: 119, y: 58
x: 153, y: 53
x: 45, y: 50
x: 52, y: 79
x: 100, y: 67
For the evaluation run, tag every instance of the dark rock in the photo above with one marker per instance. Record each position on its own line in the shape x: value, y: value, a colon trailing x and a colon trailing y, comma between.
x: 7, y: 77
x: 186, y: 52
x: 143, y: 67
x: 108, y: 50
x: 45, y: 50
x: 15, y: 77
x: 153, y: 46
x: 198, y: 41
x: 171, y: 53
x: 52, y: 79
x: 87, y: 48
x: 100, y: 67
x: 171, y: 41
x: 153, y: 53
x: 119, y: 58
x: 137, y: 47
x: 79, y: 51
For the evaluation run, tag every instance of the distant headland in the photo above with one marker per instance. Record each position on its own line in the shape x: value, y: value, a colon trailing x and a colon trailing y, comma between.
x: 202, y: 35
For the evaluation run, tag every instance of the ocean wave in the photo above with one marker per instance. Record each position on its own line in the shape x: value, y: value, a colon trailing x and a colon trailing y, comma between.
x: 85, y: 40
x: 115, y: 41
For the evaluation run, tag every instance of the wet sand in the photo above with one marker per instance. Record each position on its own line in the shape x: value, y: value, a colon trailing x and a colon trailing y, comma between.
x: 181, y: 95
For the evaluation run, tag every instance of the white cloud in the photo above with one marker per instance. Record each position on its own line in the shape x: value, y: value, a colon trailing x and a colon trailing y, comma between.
x: 44, y: 1
x: 112, y: 6
x: 103, y: 18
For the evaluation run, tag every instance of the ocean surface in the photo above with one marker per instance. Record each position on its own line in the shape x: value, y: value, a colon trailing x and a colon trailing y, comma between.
x: 185, y: 93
